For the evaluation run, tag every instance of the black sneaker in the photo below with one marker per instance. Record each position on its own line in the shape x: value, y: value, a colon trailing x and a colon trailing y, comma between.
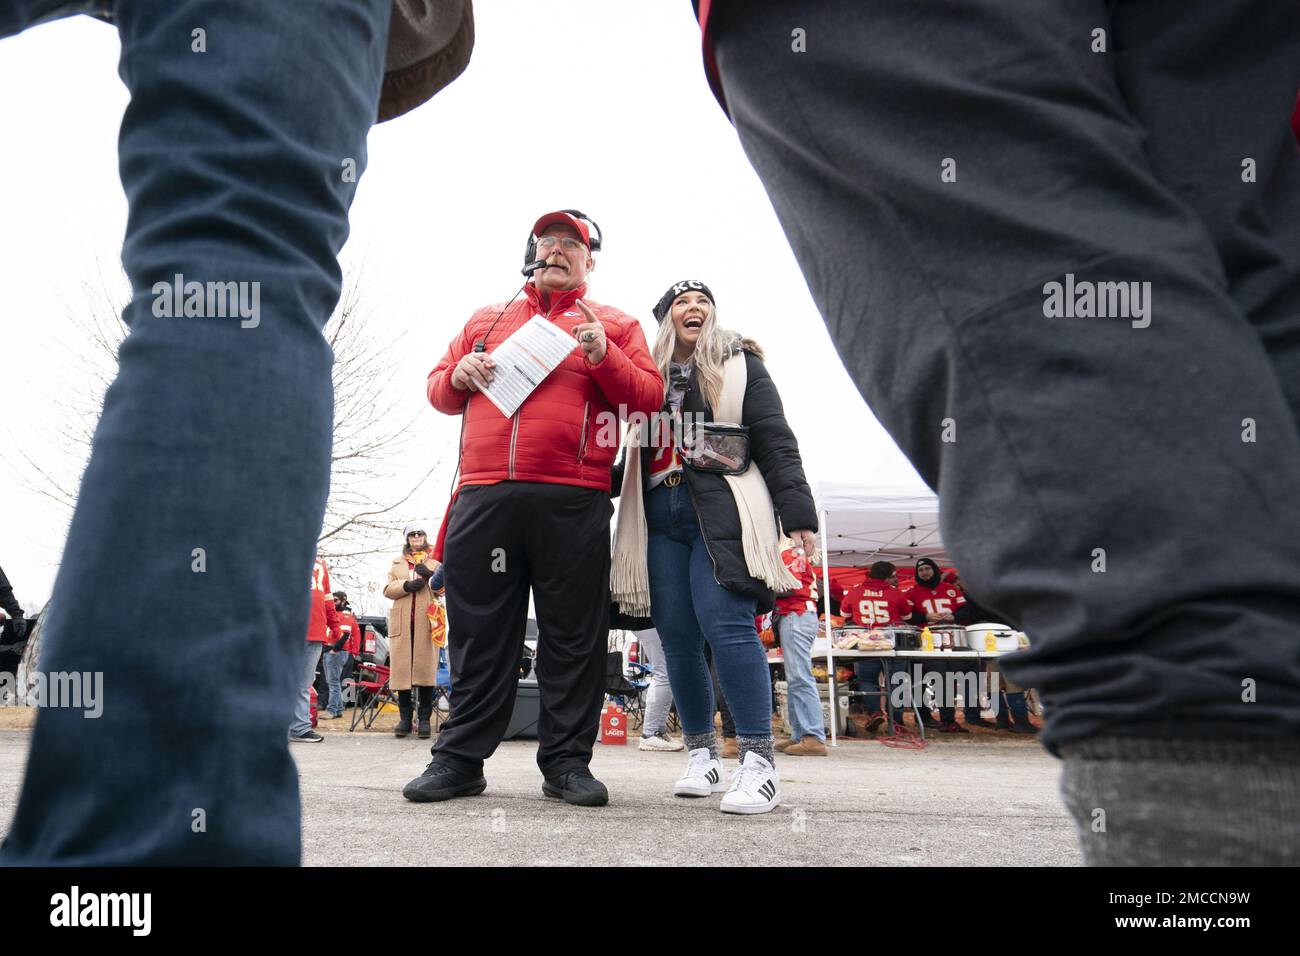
x: 310, y: 737
x: 577, y: 787
x: 442, y: 781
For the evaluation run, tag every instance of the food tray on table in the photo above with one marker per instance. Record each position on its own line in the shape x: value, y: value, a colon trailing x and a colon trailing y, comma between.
x: 861, y: 639
x: 903, y: 637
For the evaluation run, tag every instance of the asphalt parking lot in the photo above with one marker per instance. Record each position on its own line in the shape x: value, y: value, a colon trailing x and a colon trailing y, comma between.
x: 979, y: 801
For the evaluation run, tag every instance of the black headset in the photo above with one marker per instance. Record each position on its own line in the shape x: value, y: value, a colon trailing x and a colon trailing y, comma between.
x: 530, y: 252
x: 529, y: 260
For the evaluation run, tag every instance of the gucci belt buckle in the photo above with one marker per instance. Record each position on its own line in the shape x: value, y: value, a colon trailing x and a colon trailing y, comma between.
x: 673, y: 480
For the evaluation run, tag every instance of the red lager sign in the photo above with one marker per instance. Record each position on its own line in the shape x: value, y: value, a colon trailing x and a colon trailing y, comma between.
x: 613, y: 724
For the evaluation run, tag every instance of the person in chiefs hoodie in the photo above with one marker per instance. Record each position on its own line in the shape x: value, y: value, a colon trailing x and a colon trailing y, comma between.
x: 532, y: 510
x: 937, y: 601
x: 323, y: 623
x: 345, y: 646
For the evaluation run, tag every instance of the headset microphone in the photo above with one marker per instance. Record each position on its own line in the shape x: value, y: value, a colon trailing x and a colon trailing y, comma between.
x: 481, y: 344
x: 532, y: 267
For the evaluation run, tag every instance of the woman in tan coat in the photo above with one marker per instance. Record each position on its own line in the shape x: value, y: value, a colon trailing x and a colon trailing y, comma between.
x: 412, y: 653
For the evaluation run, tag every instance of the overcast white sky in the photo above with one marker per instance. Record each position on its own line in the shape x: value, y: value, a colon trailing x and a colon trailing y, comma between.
x: 439, y: 221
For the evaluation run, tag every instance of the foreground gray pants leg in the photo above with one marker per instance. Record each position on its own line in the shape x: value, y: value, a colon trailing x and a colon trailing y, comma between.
x: 1122, y: 486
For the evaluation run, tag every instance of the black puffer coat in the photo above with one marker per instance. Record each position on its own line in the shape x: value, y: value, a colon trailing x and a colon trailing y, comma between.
x: 773, y: 449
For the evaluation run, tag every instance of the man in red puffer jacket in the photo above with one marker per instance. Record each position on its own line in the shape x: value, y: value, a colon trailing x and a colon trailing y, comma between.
x: 532, y: 512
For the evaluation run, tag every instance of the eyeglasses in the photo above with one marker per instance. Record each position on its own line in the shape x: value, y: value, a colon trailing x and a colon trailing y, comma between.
x: 547, y: 243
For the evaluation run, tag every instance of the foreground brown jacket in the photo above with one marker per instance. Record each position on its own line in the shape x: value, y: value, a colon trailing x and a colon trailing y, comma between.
x: 429, y: 43
x: 413, y: 660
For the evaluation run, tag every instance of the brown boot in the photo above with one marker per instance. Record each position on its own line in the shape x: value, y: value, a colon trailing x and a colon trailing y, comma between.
x: 808, y: 747
x: 780, y: 745
x: 730, y: 749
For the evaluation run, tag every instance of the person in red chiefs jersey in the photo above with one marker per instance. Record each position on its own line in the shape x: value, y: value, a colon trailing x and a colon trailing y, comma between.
x: 531, y: 511
x: 795, y: 619
x: 323, y: 622
x: 940, y: 602
x: 877, y: 601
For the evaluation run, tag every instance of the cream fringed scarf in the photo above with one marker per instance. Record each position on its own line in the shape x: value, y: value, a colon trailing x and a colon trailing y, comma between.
x: 629, y: 579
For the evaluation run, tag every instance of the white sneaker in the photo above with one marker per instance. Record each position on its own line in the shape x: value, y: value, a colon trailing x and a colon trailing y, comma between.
x: 755, y: 787
x: 703, y: 776
x: 660, y: 741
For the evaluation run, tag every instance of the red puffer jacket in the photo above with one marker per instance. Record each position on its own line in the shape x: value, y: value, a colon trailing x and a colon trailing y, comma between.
x: 565, y: 432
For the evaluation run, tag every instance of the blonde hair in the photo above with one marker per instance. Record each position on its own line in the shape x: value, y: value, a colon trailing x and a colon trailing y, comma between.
x: 712, y: 349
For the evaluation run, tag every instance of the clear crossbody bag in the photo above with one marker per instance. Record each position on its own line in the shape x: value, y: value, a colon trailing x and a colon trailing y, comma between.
x: 716, y: 448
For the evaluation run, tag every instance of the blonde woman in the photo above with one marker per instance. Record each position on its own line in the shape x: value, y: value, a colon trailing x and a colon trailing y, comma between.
x: 698, y: 548
x: 413, y: 580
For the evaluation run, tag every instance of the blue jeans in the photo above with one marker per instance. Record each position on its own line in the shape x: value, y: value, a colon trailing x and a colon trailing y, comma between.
x: 195, y: 527
x: 301, y: 722
x: 335, y: 662
x: 688, y: 607
x: 336, y: 665
x: 797, y: 632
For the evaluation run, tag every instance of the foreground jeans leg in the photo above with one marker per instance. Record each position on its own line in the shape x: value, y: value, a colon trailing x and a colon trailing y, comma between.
x: 210, y: 465
x: 1077, y: 440
x: 798, y: 631
x: 18, y: 15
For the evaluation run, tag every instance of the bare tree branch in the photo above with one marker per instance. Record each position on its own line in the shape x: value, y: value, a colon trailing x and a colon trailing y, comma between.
x: 371, y: 436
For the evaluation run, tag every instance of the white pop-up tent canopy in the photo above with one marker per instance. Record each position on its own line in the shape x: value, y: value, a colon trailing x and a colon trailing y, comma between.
x: 860, y: 525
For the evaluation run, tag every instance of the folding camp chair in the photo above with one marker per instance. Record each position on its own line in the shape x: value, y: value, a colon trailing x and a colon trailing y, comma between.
x: 372, y: 691
x: 628, y: 693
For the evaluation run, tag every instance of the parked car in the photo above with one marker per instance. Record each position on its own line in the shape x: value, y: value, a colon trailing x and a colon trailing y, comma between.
x: 374, y: 638
x: 13, y: 648
x: 529, y: 661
